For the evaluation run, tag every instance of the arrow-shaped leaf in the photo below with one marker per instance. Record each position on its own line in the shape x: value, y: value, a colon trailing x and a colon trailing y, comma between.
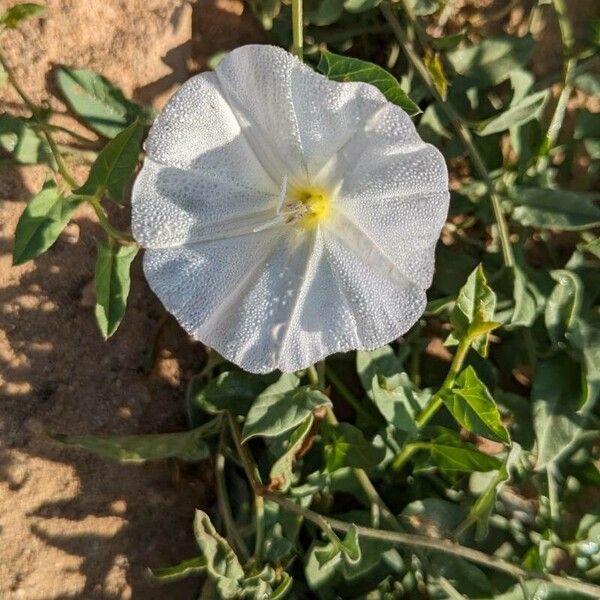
x: 114, y: 166
x: 112, y: 284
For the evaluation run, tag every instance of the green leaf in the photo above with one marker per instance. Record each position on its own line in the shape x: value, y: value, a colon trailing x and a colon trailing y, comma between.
x: 112, y: 284
x: 344, y: 68
x: 185, y: 445
x: 449, y: 452
x: 563, y: 305
x: 349, y: 548
x: 114, y: 166
x: 448, y: 42
x: 234, y: 391
x: 473, y: 312
x: 19, y: 139
x: 396, y: 399
x: 222, y: 565
x: 472, y: 405
x: 20, y: 12
x: 492, y: 60
x: 347, y: 447
x: 358, y: 6
x: 323, y: 12
x: 283, y: 589
x: 482, y: 508
x: 186, y: 568
x: 587, y: 125
x: 42, y: 221
x: 585, y: 337
x: 525, y: 304
x: 382, y: 361
x: 281, y: 407
x: 282, y: 471
x: 522, y: 112
x: 266, y: 11
x: 435, y: 68
x: 588, y: 83
x: 554, y: 209
x: 556, y: 397
x: 99, y: 102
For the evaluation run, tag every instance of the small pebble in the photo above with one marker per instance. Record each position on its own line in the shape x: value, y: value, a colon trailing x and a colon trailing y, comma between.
x: 88, y: 295
x: 70, y: 233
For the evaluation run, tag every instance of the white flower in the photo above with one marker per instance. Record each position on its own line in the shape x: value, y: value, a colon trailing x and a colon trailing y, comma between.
x: 285, y: 216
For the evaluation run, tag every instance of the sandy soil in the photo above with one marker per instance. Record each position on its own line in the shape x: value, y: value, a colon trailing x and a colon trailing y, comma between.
x: 71, y: 525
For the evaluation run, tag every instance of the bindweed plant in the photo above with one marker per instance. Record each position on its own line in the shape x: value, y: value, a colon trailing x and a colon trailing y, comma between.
x: 365, y: 443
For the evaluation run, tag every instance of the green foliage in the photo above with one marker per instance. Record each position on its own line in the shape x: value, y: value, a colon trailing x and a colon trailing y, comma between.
x: 191, y: 566
x: 463, y: 450
x: 348, y: 549
x: 556, y: 395
x: 448, y: 452
x: 491, y: 61
x: 344, y: 68
x: 473, y: 313
x: 472, y: 405
x: 346, y: 446
x: 554, y: 209
x: 137, y: 449
x: 18, y: 137
x: 98, y: 102
x: 113, y: 169
x: 563, y: 305
x: 517, y: 114
x: 42, y: 221
x: 234, y: 391
x: 383, y: 361
x: 281, y: 407
x: 112, y: 284
x: 20, y: 12
x: 398, y: 401
x: 282, y: 471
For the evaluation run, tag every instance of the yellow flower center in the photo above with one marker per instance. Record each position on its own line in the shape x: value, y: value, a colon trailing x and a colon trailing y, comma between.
x: 311, y: 203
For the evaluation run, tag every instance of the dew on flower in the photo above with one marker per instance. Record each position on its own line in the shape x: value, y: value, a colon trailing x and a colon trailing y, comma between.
x: 285, y: 216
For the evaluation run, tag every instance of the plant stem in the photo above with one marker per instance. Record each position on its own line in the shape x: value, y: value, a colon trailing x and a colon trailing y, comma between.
x: 349, y: 397
x: 223, y: 499
x: 569, y: 66
x: 253, y: 476
x: 111, y: 231
x: 297, y: 29
x: 435, y: 402
x: 455, y: 368
x: 313, y: 375
x: 436, y: 544
x: 259, y: 541
x: 461, y: 129
x: 60, y: 163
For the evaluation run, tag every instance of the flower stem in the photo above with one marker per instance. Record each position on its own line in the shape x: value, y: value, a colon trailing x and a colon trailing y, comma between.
x: 437, y: 544
x: 297, y: 27
x: 461, y: 129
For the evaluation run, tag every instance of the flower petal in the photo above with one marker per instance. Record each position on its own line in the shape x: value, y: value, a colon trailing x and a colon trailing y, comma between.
x: 394, y: 189
x: 198, y: 281
x: 294, y: 118
x: 173, y: 206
